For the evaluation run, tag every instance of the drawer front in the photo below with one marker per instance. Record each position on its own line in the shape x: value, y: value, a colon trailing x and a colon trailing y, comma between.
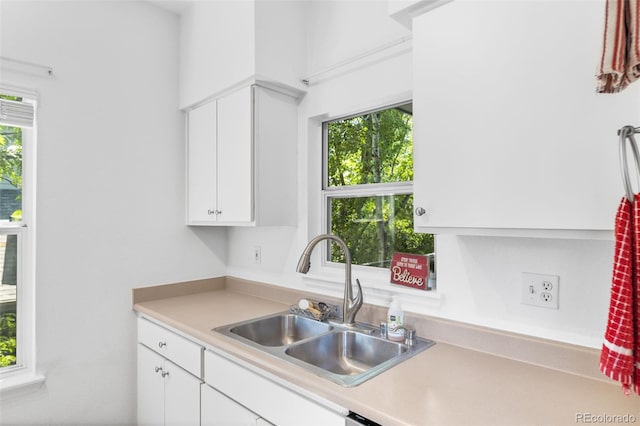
x: 218, y: 410
x: 282, y: 406
x: 181, y: 351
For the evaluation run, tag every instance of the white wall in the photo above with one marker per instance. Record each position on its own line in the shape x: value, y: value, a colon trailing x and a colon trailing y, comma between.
x: 280, y: 44
x: 110, y: 197
x: 206, y: 66
x: 478, y: 278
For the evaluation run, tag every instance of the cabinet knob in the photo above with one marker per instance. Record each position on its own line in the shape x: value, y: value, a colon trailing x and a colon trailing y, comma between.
x: 211, y: 212
x: 158, y: 369
x: 162, y: 344
x: 165, y: 374
x: 420, y: 211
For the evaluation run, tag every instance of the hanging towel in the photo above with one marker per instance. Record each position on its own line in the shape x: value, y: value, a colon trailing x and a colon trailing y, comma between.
x: 617, y: 356
x: 635, y: 295
x: 620, y: 61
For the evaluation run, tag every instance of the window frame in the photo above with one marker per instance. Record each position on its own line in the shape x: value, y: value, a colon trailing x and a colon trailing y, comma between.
x: 24, y: 371
x: 328, y: 278
x: 359, y: 190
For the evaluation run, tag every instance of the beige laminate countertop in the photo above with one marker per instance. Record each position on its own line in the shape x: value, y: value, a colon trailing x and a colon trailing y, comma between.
x: 445, y: 385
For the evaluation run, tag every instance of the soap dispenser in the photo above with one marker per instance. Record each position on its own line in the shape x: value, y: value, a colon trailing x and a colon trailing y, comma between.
x: 395, y: 321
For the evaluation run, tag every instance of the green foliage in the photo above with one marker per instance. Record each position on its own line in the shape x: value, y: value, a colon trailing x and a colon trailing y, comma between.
x: 369, y: 149
x: 16, y: 216
x: 7, y: 340
x: 372, y: 240
x: 11, y: 151
x: 11, y: 155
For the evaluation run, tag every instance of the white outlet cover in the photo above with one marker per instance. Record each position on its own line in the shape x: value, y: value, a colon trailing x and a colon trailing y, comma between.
x: 540, y: 290
x: 257, y: 255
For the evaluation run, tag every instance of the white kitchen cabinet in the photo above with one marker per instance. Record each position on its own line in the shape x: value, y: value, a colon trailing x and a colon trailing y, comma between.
x: 219, y: 410
x: 510, y: 137
x: 180, y: 383
x: 168, y: 394
x: 241, y: 159
x: 201, y: 163
x: 150, y: 405
x: 270, y: 401
x: 178, y: 349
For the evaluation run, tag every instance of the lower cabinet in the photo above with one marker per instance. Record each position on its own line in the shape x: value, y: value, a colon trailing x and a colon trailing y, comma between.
x: 167, y: 394
x: 270, y: 401
x: 178, y: 385
x: 219, y: 410
x: 169, y: 377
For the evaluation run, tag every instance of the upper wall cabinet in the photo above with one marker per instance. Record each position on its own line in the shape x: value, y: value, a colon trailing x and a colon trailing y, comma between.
x: 241, y: 159
x: 224, y: 42
x: 510, y: 136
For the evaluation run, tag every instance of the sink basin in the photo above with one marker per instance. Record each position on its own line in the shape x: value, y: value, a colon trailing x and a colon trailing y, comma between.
x: 345, y: 355
x: 346, y: 352
x: 279, y: 330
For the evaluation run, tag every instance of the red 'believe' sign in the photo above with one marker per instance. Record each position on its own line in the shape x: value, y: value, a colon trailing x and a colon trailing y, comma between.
x: 410, y: 270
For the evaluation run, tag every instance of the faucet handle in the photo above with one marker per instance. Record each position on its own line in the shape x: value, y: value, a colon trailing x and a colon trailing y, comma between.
x: 358, y: 300
x: 383, y: 329
x: 409, y: 336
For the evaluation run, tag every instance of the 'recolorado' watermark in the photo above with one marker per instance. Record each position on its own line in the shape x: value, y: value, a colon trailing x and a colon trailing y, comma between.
x: 605, y: 418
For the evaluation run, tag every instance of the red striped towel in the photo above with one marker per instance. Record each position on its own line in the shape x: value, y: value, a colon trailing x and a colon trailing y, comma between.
x: 621, y: 337
x: 620, y: 62
x: 635, y: 294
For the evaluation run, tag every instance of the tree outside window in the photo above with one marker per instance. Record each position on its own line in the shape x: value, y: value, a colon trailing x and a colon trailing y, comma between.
x: 10, y: 210
x: 368, y: 186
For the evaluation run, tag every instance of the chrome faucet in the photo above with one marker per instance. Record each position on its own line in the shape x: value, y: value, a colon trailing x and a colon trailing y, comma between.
x: 350, y: 305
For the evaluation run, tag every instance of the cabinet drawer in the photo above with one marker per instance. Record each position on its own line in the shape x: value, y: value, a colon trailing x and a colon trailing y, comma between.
x: 183, y: 352
x: 218, y: 410
x: 282, y: 407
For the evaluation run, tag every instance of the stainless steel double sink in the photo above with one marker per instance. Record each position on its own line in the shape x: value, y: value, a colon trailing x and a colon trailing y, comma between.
x: 345, y: 355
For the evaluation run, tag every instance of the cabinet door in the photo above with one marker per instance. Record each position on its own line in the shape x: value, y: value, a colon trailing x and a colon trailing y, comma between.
x: 510, y: 145
x: 218, y: 410
x: 235, y: 156
x: 167, y: 394
x: 150, y: 392
x: 181, y: 396
x: 201, y: 164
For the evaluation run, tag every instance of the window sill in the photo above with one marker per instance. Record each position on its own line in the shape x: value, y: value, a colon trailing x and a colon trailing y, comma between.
x: 11, y: 381
x: 376, y: 288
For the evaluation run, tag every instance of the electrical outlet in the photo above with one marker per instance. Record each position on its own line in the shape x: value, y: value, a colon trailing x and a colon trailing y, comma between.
x: 540, y: 290
x: 257, y: 255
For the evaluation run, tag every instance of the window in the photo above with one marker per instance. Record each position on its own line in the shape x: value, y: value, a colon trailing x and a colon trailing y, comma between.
x: 17, y: 155
x: 368, y: 186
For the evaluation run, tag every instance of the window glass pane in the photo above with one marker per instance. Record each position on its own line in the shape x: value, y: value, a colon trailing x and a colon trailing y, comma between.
x: 376, y: 147
x: 10, y: 210
x: 8, y: 281
x: 374, y: 227
x: 10, y: 173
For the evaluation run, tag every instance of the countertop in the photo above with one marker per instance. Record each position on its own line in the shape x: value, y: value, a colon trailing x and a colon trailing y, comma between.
x: 444, y: 385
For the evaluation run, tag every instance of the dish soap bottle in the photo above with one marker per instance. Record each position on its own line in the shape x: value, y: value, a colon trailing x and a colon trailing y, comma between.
x: 395, y: 321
